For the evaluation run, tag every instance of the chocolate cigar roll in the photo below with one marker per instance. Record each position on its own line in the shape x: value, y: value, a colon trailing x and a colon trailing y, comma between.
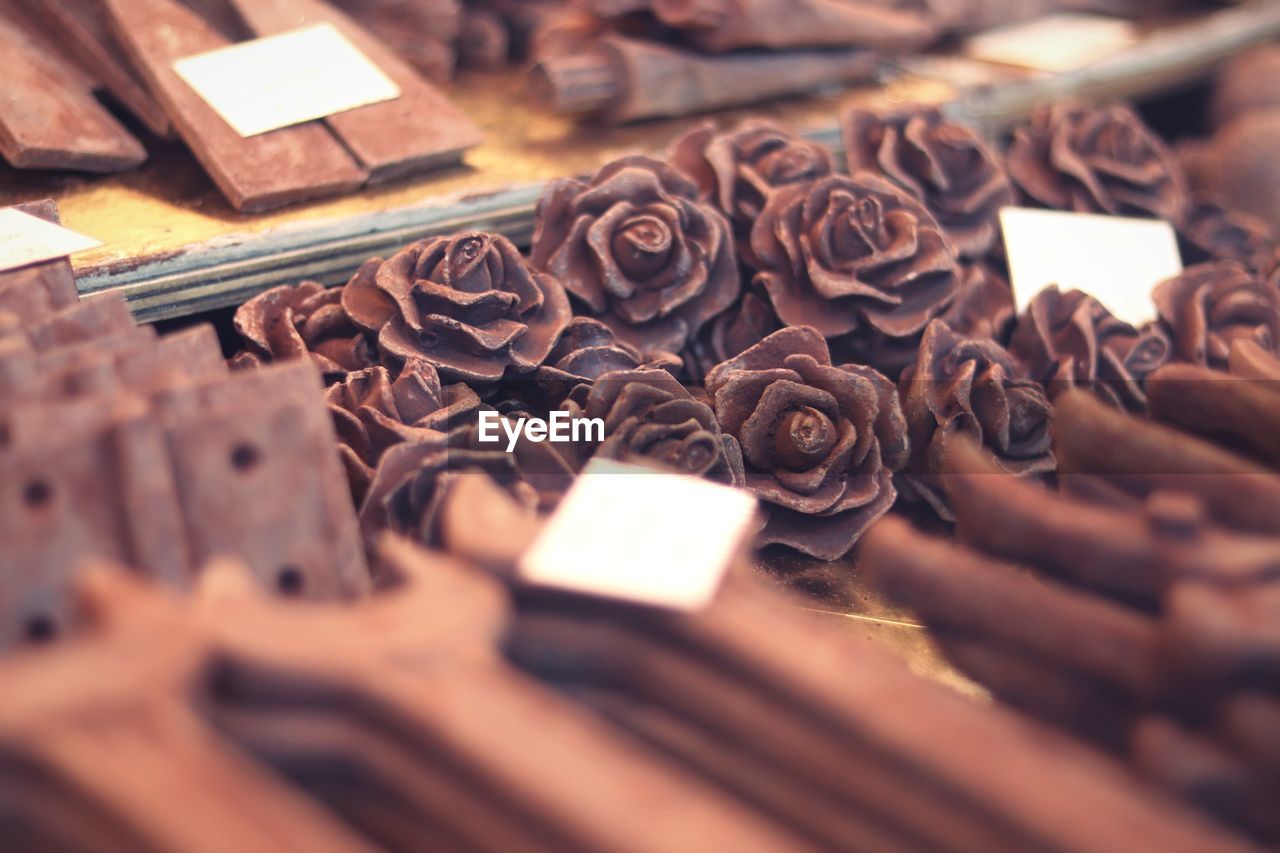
x: 1215, y: 637
x: 619, y: 79
x: 1241, y: 414
x: 1250, y: 723
x: 966, y: 594
x: 1141, y: 457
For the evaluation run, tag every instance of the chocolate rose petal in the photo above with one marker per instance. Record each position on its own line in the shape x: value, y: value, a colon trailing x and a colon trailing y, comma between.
x: 983, y: 306
x: 1210, y: 306
x: 1213, y: 232
x: 366, y: 305
x: 300, y: 322
x: 828, y: 537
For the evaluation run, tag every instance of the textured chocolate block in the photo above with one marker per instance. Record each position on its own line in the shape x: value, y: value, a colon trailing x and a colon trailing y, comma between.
x: 96, y: 317
x: 418, y: 130
x: 255, y: 173
x: 48, y: 117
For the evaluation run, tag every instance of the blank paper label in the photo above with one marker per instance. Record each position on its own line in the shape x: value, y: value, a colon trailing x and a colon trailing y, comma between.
x: 27, y: 239
x: 634, y: 534
x: 282, y: 80
x: 1115, y: 259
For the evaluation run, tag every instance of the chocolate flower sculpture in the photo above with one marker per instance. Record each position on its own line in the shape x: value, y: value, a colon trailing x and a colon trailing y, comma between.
x: 587, y: 350
x: 945, y: 166
x: 819, y: 443
x: 468, y: 305
x: 1211, y: 306
x: 639, y: 250
x: 371, y: 413
x: 1096, y: 160
x: 1068, y: 339
x: 1212, y: 232
x: 301, y: 321
x: 845, y: 254
x: 970, y: 387
x: 651, y: 419
x: 983, y: 307
x: 738, y: 170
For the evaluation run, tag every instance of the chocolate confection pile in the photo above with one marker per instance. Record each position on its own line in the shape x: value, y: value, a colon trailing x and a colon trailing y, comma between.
x: 1082, y: 512
x: 63, y: 53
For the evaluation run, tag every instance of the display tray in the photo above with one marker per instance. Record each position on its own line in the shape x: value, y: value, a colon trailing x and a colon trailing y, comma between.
x: 174, y: 247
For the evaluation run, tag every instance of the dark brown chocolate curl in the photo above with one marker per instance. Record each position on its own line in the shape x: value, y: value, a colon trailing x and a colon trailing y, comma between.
x: 970, y: 387
x: 468, y: 305
x: 739, y: 169
x: 372, y: 413
x: 651, y: 419
x: 944, y: 165
x: 636, y: 246
x: 847, y: 253
x: 819, y: 443
x: 1070, y: 339
x: 306, y: 320
x: 1096, y: 160
x: 1210, y: 306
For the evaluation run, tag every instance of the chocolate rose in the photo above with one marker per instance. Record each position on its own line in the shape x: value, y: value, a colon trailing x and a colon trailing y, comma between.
x: 819, y: 443
x: 733, y: 332
x: 414, y: 479
x: 1096, y: 160
x: 468, y: 305
x: 651, y: 419
x: 945, y: 166
x: 970, y: 387
x: 1211, y: 306
x: 1212, y: 232
x: 738, y: 170
x: 372, y: 413
x: 587, y: 350
x: 1067, y: 339
x: 302, y: 321
x: 983, y: 307
x: 850, y: 253
x: 639, y: 250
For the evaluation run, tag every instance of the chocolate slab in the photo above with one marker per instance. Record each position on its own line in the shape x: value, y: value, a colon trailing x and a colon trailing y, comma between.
x: 48, y: 117
x: 255, y: 173
x: 82, y: 29
x: 419, y: 130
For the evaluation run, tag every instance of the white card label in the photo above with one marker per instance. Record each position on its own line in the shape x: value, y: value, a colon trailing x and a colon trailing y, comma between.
x: 286, y: 79
x: 639, y: 535
x: 27, y: 239
x: 1056, y: 43
x: 1115, y: 259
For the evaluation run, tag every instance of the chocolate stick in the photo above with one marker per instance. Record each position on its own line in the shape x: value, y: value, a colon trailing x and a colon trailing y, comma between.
x: 1215, y: 405
x: 962, y: 592
x: 620, y: 79
x: 48, y: 117
x: 1249, y: 360
x: 418, y: 130
x: 1142, y: 457
x: 723, y: 25
x: 254, y: 173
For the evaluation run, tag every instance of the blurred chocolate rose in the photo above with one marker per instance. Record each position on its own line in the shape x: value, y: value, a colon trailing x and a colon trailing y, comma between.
x: 970, y: 387
x: 1211, y: 306
x: 739, y: 169
x: 651, y: 419
x: 819, y: 443
x: 372, y: 412
x: 1096, y: 160
x: 845, y: 254
x: 468, y: 305
x: 945, y: 166
x: 1212, y: 232
x: 1069, y: 338
x: 983, y: 307
x: 639, y: 250
x: 301, y: 321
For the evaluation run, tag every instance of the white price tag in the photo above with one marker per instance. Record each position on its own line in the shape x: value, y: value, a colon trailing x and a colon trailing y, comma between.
x: 1115, y: 259
x: 27, y: 239
x: 639, y: 535
x: 1055, y: 43
x: 286, y: 79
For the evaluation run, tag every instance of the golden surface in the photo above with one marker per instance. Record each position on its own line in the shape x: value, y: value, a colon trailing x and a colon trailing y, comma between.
x: 169, y: 204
